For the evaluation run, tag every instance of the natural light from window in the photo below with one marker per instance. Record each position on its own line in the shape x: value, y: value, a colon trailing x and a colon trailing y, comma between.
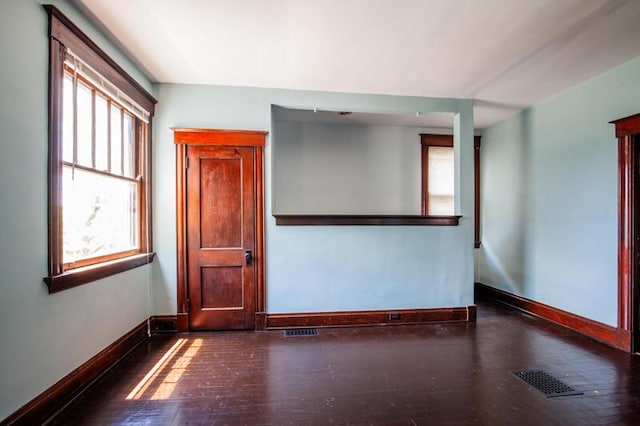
x: 441, y: 180
x: 99, y: 215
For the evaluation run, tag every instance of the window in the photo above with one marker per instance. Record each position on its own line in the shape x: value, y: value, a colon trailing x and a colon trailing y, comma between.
x: 437, y: 175
x: 438, y: 193
x: 99, y: 138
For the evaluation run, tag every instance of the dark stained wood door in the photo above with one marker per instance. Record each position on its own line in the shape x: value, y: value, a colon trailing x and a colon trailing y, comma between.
x: 221, y: 239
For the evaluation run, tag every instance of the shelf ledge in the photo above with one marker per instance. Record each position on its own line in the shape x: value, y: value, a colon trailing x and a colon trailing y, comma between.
x: 367, y: 220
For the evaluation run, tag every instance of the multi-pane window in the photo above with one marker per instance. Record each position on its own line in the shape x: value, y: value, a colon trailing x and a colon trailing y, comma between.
x: 99, y: 187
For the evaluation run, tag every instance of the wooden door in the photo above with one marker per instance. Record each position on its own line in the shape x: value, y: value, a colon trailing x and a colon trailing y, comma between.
x: 220, y: 214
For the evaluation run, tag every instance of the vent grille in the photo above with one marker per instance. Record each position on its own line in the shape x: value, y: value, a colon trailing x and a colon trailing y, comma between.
x: 546, y: 383
x: 301, y: 332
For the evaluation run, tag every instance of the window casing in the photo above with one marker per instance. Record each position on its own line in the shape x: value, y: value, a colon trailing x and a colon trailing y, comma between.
x: 99, y: 162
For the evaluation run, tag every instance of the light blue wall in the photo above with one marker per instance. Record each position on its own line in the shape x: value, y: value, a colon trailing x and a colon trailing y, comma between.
x: 311, y: 269
x: 44, y: 337
x: 549, y: 197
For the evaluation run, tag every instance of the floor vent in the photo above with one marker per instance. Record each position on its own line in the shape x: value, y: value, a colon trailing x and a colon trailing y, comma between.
x: 546, y: 383
x: 301, y: 332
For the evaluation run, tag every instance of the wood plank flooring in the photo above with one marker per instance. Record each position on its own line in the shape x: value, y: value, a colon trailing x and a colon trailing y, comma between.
x: 441, y: 374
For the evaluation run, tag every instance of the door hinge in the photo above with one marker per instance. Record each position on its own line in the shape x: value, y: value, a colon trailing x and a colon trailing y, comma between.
x: 188, y: 305
x: 186, y: 162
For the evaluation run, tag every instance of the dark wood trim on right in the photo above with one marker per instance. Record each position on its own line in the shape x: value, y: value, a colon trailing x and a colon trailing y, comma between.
x: 51, y: 401
x: 377, y: 220
x: 627, y: 132
x: 626, y: 243
x: 604, y: 333
x: 367, y: 318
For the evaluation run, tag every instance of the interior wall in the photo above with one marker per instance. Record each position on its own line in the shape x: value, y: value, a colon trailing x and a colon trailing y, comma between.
x: 549, y: 197
x: 44, y: 337
x: 322, y: 268
x: 322, y: 168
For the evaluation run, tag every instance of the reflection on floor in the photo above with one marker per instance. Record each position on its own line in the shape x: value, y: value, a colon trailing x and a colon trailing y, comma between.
x: 440, y: 374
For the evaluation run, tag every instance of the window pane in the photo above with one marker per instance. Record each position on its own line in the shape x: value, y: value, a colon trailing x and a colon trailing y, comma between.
x: 116, y: 140
x: 441, y: 180
x: 128, y: 146
x: 67, y: 118
x: 102, y: 133
x: 85, y: 106
x: 99, y: 216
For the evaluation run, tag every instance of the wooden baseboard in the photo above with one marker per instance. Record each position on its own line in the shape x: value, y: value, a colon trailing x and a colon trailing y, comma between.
x: 48, y: 403
x: 604, y: 333
x: 364, y: 318
x: 164, y: 324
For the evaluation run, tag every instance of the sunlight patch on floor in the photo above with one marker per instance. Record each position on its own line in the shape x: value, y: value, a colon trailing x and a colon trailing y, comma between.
x: 168, y: 385
x: 142, y: 386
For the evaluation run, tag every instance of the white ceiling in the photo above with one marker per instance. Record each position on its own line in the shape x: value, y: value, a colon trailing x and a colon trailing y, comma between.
x: 505, y: 54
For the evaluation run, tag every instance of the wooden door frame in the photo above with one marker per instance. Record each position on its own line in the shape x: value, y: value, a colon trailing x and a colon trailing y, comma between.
x: 628, y: 226
x: 216, y: 137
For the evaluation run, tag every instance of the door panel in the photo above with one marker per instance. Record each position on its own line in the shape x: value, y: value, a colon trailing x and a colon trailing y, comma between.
x: 220, y: 228
x: 219, y: 289
x: 221, y: 202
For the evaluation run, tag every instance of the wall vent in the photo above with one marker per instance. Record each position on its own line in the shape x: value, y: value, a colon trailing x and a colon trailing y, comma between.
x: 301, y: 332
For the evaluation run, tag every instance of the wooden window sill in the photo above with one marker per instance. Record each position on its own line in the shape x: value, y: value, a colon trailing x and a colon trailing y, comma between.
x: 375, y: 220
x: 79, y: 276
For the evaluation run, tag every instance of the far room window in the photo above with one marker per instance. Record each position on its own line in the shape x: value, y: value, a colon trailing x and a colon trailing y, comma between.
x: 437, y: 175
x: 99, y: 188
x: 438, y: 193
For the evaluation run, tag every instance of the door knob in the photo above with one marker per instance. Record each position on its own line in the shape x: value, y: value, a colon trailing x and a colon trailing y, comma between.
x: 247, y: 257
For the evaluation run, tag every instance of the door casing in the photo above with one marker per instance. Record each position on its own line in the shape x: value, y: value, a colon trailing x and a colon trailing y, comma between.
x: 628, y: 327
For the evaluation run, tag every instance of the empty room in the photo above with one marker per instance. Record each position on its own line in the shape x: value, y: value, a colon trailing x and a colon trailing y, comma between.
x: 320, y: 212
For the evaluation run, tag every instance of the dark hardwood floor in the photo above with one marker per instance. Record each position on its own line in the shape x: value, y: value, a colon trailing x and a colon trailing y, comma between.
x: 441, y: 374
